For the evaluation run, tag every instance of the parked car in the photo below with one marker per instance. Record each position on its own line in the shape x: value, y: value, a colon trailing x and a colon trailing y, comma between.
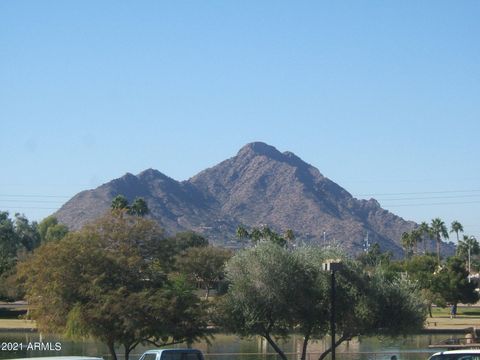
x: 466, y: 354
x: 173, y: 354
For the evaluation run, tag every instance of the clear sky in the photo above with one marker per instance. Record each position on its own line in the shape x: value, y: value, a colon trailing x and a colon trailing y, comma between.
x: 383, y: 97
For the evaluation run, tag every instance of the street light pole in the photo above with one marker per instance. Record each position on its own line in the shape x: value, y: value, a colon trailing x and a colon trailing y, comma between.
x: 333, y: 266
x: 469, y: 245
x: 470, y: 241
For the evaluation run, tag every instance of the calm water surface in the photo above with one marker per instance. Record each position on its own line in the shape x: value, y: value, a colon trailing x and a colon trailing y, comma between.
x: 229, y: 347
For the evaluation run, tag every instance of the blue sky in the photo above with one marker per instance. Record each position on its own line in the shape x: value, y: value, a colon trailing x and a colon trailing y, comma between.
x: 382, y: 97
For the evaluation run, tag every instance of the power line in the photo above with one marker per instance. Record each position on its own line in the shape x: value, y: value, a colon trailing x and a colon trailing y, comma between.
x: 443, y: 203
x: 35, y: 196
x: 34, y: 201
x: 420, y: 192
x: 31, y: 207
x: 432, y: 197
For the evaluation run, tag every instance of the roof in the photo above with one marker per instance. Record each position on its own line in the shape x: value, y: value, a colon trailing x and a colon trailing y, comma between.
x: 159, y: 351
x: 465, y: 351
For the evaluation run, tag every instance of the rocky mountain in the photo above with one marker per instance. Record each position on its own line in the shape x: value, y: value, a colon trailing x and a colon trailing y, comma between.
x: 258, y: 186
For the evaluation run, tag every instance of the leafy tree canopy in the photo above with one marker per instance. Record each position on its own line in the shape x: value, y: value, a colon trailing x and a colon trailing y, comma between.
x: 139, y: 206
x: 204, y: 265
x: 108, y: 281
x: 188, y: 239
x: 375, y: 257
x: 51, y: 230
x: 265, y: 234
x: 452, y: 284
x: 274, y: 290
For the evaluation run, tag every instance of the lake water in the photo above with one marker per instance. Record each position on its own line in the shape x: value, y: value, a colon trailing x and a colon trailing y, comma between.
x: 229, y: 347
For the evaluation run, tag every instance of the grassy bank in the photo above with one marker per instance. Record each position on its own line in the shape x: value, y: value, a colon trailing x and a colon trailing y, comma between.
x: 11, y: 317
x: 467, y: 317
x: 15, y: 324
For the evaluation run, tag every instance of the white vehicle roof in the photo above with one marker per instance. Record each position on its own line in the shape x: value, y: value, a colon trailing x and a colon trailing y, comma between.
x: 464, y: 351
x: 158, y: 351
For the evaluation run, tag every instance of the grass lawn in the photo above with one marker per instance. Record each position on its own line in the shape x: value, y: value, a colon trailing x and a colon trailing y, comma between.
x: 461, y: 312
x: 17, y: 324
x: 466, y: 317
x: 11, y: 317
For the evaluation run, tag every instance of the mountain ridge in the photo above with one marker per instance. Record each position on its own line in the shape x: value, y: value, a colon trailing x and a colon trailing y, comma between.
x: 258, y: 186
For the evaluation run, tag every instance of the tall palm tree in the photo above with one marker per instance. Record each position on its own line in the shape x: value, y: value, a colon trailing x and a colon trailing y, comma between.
x: 407, y: 243
x: 456, y: 227
x: 425, y: 230
x: 439, y: 230
x: 415, y: 238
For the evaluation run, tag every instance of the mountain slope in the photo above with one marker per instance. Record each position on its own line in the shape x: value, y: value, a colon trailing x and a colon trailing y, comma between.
x: 258, y: 186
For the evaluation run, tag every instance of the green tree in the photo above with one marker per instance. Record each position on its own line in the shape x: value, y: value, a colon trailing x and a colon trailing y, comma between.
x: 139, y: 207
x: 274, y: 290
x: 51, y: 230
x: 265, y: 234
x: 424, y: 229
x: 451, y: 282
x: 108, y: 281
x: 119, y: 202
x: 439, y: 230
x: 421, y: 270
x: 204, y: 265
x: 27, y: 232
x: 407, y: 244
x: 188, y: 239
x: 8, y: 243
x: 18, y: 237
x: 374, y: 257
x: 416, y: 237
x: 456, y: 227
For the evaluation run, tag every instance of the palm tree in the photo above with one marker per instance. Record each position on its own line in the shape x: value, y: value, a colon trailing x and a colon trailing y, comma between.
x: 439, y: 230
x: 415, y: 238
x: 119, y: 202
x: 407, y: 243
x: 424, y: 230
x: 456, y: 228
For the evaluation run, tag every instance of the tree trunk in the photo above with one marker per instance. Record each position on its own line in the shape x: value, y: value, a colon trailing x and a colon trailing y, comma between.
x: 304, y: 347
x: 438, y: 250
x: 128, y: 349
x: 329, y: 350
x: 111, y: 349
x: 275, y: 346
x: 207, y: 292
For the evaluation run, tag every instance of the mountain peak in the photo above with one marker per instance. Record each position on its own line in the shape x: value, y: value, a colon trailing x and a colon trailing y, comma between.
x: 259, y: 148
x: 150, y: 173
